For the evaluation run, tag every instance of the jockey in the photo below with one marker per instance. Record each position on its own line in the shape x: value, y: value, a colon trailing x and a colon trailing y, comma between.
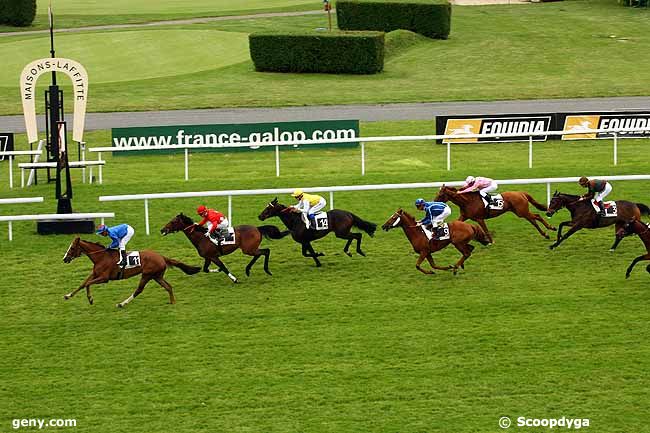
x: 435, y: 213
x: 121, y: 235
x: 308, y: 204
x: 484, y: 185
x: 216, y: 220
x: 596, y: 189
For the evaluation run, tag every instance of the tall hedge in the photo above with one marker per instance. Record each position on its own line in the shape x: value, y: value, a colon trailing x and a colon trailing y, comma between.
x: 18, y: 13
x: 325, y: 52
x: 429, y: 18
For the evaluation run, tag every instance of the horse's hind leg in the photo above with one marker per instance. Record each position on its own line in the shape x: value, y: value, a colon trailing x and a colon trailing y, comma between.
x: 89, y: 294
x: 351, y: 237
x: 466, y: 251
x: 267, y: 253
x: 143, y: 282
x: 635, y: 261
x: 531, y: 219
x: 434, y: 266
x: 165, y: 285
x: 260, y: 252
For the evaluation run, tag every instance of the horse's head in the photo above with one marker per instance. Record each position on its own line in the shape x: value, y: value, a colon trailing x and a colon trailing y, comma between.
x: 178, y: 223
x: 74, y: 251
x: 398, y: 219
x: 444, y: 193
x: 272, y: 209
x: 557, y: 202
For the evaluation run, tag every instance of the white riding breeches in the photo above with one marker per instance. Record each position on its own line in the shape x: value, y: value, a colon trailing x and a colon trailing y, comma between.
x: 601, y: 195
x: 125, y: 240
x: 312, y: 210
x: 224, y: 224
x: 491, y: 187
x: 439, y: 219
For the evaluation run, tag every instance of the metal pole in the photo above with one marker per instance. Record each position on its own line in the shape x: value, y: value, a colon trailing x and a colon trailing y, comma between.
x: 101, y: 179
x: 530, y: 151
x: 230, y: 209
x: 548, y: 193
x: 187, y: 161
x: 83, y: 159
x: 448, y: 156
x: 331, y: 200
x: 11, y: 237
x: 363, y: 159
x: 277, y: 161
x: 90, y: 177
x: 22, y: 178
x: 11, y: 171
x: 615, y: 148
x: 102, y: 221
x: 146, y: 215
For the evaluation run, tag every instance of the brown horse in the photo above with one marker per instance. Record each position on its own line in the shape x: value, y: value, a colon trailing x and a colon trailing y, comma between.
x: 472, y: 207
x: 642, y: 229
x: 461, y: 234
x: 105, y: 268
x: 584, y: 216
x: 247, y: 237
x: 339, y: 221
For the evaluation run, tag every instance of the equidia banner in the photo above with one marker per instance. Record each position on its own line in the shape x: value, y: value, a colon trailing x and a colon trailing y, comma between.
x: 496, y: 124
x: 580, y: 121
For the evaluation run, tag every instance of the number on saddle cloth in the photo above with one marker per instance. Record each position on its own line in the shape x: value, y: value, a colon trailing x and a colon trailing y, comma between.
x: 319, y: 221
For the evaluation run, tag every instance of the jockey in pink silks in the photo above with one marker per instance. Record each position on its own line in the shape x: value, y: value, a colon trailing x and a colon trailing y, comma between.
x: 483, y: 185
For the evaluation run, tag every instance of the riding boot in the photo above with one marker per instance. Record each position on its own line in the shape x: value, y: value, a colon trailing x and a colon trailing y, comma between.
x: 488, y: 199
x: 122, y: 262
x: 601, y: 205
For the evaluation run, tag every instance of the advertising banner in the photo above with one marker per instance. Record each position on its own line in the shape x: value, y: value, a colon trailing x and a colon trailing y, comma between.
x: 6, y: 143
x: 523, y: 124
x: 581, y: 121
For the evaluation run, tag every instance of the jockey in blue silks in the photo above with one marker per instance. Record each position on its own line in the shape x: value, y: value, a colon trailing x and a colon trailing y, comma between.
x: 435, y: 213
x: 121, y: 235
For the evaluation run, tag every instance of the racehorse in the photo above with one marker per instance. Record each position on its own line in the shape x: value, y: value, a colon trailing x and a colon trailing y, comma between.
x: 584, y: 216
x: 472, y: 207
x: 247, y: 237
x: 461, y: 233
x: 339, y: 221
x: 643, y: 230
x: 105, y: 268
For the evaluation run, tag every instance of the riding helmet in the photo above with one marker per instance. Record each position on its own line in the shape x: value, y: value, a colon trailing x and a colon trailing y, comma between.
x: 201, y: 209
x: 297, y: 193
x: 419, y: 201
x: 100, y: 229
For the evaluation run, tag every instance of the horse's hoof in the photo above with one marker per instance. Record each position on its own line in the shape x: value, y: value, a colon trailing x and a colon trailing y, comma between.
x: 248, y: 272
x: 552, y: 229
x: 547, y: 237
x: 551, y: 247
x: 215, y: 270
x: 347, y: 253
x: 66, y: 297
x: 268, y: 272
x: 627, y: 276
x: 119, y: 305
x: 91, y: 301
x: 361, y: 253
x: 611, y: 250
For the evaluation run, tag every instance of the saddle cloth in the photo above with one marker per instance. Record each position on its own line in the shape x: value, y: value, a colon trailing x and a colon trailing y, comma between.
x: 132, y: 259
x: 446, y: 233
x: 610, y: 208
x: 497, y: 202
x: 320, y: 221
x: 228, y: 240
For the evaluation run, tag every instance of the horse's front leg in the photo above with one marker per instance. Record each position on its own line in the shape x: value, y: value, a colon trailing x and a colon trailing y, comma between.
x: 634, y: 262
x: 206, y: 264
x: 617, y: 240
x: 485, y: 229
x: 434, y: 266
x: 571, y: 231
x: 85, y: 282
x: 423, y: 255
x: 561, y: 226
x: 313, y: 253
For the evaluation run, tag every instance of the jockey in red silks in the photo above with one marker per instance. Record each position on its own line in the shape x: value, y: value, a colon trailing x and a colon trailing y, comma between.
x: 216, y: 220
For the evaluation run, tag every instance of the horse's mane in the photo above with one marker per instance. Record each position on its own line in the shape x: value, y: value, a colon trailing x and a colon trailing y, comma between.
x: 566, y: 195
x: 94, y: 243
x: 185, y: 219
x: 450, y: 188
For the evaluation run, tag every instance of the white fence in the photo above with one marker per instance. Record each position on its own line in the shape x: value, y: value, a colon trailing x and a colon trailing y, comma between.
x: 11, y: 155
x: 55, y: 217
x: 362, y: 140
x: 332, y: 189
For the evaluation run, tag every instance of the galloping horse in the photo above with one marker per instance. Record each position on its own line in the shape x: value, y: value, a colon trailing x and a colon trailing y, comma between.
x: 247, y: 237
x: 643, y: 230
x: 339, y: 221
x: 583, y: 215
x: 472, y: 207
x: 105, y: 268
x: 461, y: 234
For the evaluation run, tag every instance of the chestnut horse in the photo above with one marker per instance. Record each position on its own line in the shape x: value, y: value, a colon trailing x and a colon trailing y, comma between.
x: 247, y: 237
x: 643, y: 230
x: 472, y: 207
x: 461, y: 234
x: 339, y: 221
x: 584, y: 216
x: 105, y: 268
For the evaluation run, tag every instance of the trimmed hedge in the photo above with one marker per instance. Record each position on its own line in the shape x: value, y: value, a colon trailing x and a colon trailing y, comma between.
x: 429, y: 18
x: 325, y: 52
x: 18, y: 13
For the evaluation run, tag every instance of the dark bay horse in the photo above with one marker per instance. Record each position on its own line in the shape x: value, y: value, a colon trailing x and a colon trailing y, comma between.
x: 472, y: 207
x: 247, y: 237
x: 583, y: 215
x: 461, y: 234
x: 105, y: 268
x: 339, y: 221
x: 643, y: 230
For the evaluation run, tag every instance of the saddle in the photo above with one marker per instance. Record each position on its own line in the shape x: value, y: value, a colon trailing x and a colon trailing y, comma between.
x: 441, y: 233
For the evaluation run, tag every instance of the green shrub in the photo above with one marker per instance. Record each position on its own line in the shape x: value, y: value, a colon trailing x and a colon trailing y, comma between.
x: 328, y: 52
x: 428, y: 18
x: 18, y: 13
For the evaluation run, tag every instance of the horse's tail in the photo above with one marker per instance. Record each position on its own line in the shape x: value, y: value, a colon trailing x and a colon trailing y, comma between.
x: 366, y: 226
x: 189, y: 270
x: 272, y: 232
x: 645, y: 210
x: 535, y: 203
x: 480, y: 235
